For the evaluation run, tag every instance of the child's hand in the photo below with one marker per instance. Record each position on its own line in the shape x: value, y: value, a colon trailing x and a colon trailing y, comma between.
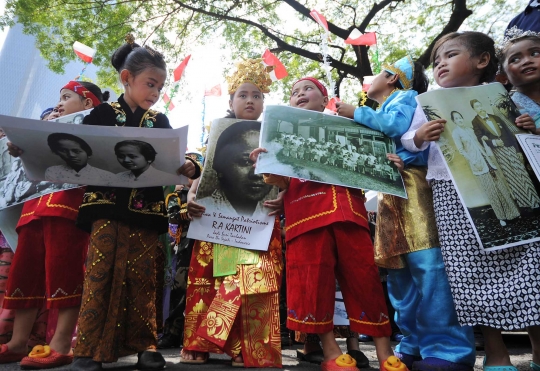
x: 53, y: 115
x: 396, y: 160
x: 430, y: 131
x: 14, y: 150
x: 526, y: 122
x: 254, y: 155
x: 188, y: 169
x: 194, y: 209
x: 276, y: 205
x: 345, y: 110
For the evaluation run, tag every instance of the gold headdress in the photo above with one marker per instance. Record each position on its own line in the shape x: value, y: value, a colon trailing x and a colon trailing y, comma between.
x: 253, y: 71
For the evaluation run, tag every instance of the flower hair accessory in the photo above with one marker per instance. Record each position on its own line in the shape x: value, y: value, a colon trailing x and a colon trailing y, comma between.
x: 130, y: 39
x: 404, y: 68
x: 252, y: 71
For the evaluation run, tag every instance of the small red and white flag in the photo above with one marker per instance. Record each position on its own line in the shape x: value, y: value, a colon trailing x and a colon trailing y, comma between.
x: 319, y: 18
x: 214, y: 91
x: 84, y: 52
x: 168, y: 103
x: 358, y: 38
x: 331, y: 106
x: 367, y: 82
x: 279, y: 72
x: 179, y: 71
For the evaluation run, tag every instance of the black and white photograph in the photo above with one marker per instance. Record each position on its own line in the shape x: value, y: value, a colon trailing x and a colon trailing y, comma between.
x: 489, y: 169
x: 231, y: 192
x: 74, y: 118
x: 98, y: 155
x: 328, y: 149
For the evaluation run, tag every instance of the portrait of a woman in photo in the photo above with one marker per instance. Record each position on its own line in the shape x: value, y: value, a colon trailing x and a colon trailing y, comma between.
x: 75, y: 152
x: 137, y: 157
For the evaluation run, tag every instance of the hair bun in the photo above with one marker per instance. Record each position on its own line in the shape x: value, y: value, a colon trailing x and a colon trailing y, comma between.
x: 120, y: 55
x: 106, y: 95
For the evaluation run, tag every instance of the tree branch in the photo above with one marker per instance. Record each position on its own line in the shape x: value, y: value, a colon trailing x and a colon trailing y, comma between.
x: 459, y: 14
x: 376, y: 8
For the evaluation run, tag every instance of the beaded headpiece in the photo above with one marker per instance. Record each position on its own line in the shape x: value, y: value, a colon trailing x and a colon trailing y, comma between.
x: 252, y: 71
x: 510, y: 36
x: 404, y: 68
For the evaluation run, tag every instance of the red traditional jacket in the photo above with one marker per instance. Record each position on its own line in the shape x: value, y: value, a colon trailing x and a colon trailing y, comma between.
x: 310, y: 205
x: 64, y: 204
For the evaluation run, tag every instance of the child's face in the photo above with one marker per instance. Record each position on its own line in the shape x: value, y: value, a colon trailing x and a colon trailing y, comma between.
x: 379, y: 86
x: 144, y: 89
x: 70, y: 102
x: 306, y: 95
x: 131, y: 158
x: 247, y: 103
x: 522, y: 65
x: 454, y: 66
x: 72, y: 153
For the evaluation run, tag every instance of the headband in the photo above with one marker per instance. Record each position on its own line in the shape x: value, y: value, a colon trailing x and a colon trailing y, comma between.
x: 317, y: 83
x: 77, y: 88
x: 404, y: 68
x: 46, y: 112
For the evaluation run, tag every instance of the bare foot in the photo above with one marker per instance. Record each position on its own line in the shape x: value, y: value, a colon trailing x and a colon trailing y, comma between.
x: 192, y: 355
x: 238, y: 359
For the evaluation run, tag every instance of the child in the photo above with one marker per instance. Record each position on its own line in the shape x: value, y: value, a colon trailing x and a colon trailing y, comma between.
x: 54, y: 249
x: 118, y: 314
x: 328, y: 237
x: 520, y: 62
x: 488, y: 297
x: 250, y: 333
x: 406, y: 241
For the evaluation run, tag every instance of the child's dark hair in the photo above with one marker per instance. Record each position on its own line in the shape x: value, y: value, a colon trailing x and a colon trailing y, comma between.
x: 503, y: 54
x: 53, y: 140
x: 136, y: 59
x: 146, y: 149
x: 476, y: 43
x: 94, y: 89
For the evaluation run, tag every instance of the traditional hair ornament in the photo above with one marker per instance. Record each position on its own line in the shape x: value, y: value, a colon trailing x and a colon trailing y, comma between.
x: 404, y: 68
x: 510, y: 36
x: 77, y: 88
x: 130, y: 39
x: 252, y: 71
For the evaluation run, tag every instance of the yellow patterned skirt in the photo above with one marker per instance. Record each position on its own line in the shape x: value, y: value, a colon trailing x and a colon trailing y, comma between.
x: 236, y: 314
x: 405, y: 225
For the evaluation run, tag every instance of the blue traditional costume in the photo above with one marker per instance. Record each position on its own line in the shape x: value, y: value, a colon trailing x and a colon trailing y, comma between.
x: 407, y: 245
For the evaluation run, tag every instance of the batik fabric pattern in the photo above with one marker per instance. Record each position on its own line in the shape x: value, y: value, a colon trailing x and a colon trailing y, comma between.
x: 409, y: 224
x: 118, y: 312
x: 236, y: 314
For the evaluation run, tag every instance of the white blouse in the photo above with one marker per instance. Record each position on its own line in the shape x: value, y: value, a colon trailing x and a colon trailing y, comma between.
x: 436, y: 165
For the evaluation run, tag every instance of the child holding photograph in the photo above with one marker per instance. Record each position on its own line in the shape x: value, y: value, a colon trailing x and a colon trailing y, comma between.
x: 487, y: 297
x: 407, y: 245
x: 236, y: 314
x: 52, y: 248
x: 118, y: 314
x: 328, y: 237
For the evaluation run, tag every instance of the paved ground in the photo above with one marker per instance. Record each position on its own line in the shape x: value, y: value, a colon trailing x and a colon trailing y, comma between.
x: 518, y: 345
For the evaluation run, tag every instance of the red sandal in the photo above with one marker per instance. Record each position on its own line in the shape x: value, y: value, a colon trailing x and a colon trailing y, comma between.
x: 42, y: 357
x: 7, y: 356
x: 342, y: 363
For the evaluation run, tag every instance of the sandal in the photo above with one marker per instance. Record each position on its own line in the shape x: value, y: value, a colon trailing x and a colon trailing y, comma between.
x: 317, y: 356
x: 342, y: 363
x: 7, y: 356
x: 497, y: 368
x: 206, y: 355
x: 42, y: 357
x: 237, y: 364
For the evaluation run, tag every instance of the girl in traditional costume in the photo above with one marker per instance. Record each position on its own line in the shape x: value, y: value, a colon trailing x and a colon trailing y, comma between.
x: 505, y: 298
x: 328, y: 237
x: 118, y: 314
x: 236, y: 314
x: 51, y: 247
x: 406, y: 240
